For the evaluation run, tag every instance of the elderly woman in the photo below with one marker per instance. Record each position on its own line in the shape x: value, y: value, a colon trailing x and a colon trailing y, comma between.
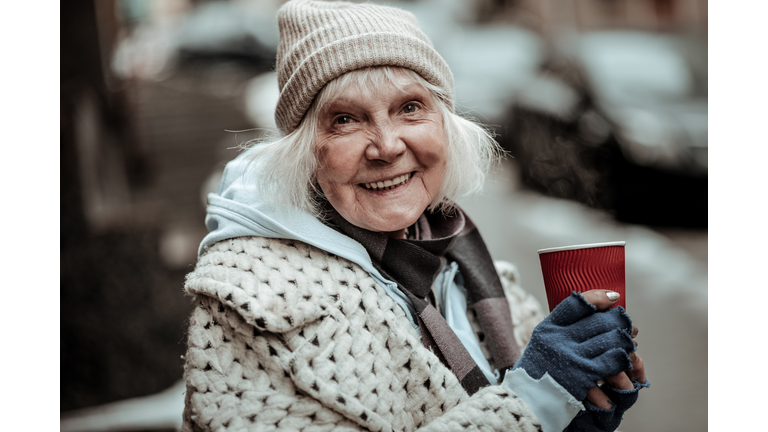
x: 341, y: 287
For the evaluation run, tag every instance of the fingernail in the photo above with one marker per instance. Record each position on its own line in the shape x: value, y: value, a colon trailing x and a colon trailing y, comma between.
x: 613, y: 295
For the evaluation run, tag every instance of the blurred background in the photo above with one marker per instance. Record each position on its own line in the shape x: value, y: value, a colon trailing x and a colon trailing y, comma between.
x: 600, y: 104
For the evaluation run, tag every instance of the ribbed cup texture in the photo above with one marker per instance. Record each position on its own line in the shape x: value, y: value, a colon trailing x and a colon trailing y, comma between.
x: 320, y: 41
x: 583, y: 270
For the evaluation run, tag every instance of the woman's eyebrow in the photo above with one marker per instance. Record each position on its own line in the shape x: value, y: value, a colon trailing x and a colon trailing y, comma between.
x: 340, y: 104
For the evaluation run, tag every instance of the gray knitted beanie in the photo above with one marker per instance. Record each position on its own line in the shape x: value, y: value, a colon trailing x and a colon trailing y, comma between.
x: 320, y: 41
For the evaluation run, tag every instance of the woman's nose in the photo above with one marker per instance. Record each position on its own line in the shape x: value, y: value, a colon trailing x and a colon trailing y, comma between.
x: 386, y: 145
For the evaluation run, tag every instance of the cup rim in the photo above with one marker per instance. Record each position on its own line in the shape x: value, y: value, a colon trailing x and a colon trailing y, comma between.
x: 582, y: 246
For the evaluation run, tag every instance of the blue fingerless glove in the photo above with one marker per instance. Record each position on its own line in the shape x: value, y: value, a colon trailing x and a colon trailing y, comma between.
x: 595, y: 419
x: 578, y: 346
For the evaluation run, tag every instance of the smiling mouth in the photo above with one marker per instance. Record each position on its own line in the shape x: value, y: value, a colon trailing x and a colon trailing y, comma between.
x: 388, y: 184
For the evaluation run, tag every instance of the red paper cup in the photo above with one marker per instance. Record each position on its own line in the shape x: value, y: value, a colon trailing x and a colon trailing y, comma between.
x: 583, y: 268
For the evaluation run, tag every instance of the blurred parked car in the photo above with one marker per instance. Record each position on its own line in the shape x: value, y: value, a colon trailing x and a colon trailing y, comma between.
x: 618, y: 120
x: 221, y: 38
x: 217, y: 32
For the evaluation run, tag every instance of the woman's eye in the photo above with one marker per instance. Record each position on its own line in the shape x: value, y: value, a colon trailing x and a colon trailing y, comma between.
x: 343, y: 119
x: 410, y: 108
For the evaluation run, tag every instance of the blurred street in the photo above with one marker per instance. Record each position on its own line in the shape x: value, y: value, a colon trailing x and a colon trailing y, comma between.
x: 159, y: 95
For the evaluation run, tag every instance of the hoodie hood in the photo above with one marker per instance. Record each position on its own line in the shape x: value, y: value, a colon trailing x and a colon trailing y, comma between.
x: 238, y: 210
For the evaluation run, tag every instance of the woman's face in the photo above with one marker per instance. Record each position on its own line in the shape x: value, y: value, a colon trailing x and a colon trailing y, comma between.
x: 381, y: 154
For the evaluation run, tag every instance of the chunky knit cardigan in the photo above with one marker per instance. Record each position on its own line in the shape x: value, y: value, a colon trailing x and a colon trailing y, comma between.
x: 285, y: 336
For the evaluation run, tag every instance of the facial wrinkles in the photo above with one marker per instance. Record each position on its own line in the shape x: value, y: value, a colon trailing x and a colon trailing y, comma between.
x: 382, y: 142
x: 377, y: 130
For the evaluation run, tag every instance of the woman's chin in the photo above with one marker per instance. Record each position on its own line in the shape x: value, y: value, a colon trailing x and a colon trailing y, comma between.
x: 392, y: 225
x: 381, y: 214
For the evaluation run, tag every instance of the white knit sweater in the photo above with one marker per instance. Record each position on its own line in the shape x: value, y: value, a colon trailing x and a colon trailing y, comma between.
x: 285, y: 336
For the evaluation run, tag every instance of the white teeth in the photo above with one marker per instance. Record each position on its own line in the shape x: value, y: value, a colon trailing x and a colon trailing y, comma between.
x: 388, y: 184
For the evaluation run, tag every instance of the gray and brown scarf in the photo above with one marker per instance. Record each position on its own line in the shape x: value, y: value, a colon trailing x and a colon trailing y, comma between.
x: 415, y: 263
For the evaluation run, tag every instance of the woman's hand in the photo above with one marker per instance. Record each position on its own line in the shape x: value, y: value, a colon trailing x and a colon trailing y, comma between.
x: 580, y: 343
x: 621, y: 380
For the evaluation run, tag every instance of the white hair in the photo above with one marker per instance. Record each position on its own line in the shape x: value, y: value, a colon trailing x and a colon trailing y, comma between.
x: 285, y: 166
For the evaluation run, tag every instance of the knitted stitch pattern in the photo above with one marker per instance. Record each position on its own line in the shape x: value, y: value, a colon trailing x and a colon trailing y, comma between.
x: 285, y: 336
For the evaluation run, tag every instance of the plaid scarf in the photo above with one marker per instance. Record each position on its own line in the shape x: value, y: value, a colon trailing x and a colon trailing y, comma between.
x: 414, y: 265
